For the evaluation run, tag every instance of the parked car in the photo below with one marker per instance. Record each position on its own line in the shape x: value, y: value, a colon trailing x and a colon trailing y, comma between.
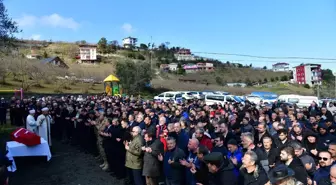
x: 197, y: 94
x: 186, y: 95
x: 169, y: 96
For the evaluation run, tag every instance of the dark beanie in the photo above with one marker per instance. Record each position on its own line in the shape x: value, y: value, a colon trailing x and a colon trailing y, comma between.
x: 232, y: 142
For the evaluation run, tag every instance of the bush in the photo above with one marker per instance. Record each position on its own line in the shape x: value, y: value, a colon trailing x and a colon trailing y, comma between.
x: 141, y: 57
x: 306, y: 86
x: 219, y: 80
x: 131, y: 55
x: 284, y: 78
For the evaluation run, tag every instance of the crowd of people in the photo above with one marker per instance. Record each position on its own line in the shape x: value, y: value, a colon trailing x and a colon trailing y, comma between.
x: 190, y: 143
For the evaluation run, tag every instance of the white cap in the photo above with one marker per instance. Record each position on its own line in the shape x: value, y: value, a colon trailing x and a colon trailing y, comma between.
x: 32, y: 111
x: 45, y: 109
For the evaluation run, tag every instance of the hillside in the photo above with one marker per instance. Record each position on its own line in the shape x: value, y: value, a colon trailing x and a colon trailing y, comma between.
x: 236, y: 75
x: 223, y: 74
x: 175, y: 85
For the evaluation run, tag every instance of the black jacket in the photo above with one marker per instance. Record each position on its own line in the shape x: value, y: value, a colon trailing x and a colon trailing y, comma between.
x: 253, y: 179
x: 151, y: 166
x: 325, y: 181
x: 300, y: 171
x: 202, y: 174
x: 225, y: 175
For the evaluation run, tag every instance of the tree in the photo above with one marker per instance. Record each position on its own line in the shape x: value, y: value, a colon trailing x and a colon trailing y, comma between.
x: 7, y: 28
x: 45, y: 54
x: 265, y: 67
x: 5, y: 66
x: 260, y: 81
x: 272, y: 79
x: 133, y: 75
x: 328, y: 76
x: 162, y: 46
x: 143, y: 46
x: 276, y: 78
x: 306, y: 86
x: 102, y: 45
x: 248, y: 82
x: 219, y: 80
x: 251, y: 65
x: 180, y: 69
x: 284, y: 78
x: 265, y: 80
x: 240, y: 66
x: 81, y: 42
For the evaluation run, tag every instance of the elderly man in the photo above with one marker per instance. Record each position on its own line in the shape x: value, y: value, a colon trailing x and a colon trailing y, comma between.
x: 251, y: 172
x: 134, y: 157
x: 43, y: 125
x: 31, y: 122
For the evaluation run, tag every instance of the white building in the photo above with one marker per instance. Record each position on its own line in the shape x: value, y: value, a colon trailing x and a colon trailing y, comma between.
x: 281, y: 66
x: 129, y: 42
x: 88, y: 53
x: 184, y: 55
x: 310, y: 74
x: 172, y: 66
x: 180, y: 57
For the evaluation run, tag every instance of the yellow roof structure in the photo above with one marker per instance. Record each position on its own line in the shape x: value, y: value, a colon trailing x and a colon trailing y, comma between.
x: 111, y: 78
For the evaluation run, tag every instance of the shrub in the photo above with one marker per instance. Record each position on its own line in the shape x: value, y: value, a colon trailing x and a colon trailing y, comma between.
x: 306, y: 86
x: 141, y: 57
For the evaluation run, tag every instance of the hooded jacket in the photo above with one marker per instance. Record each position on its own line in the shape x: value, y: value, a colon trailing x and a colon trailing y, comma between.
x: 224, y: 175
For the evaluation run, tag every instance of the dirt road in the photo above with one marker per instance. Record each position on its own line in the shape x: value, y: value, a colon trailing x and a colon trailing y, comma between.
x: 68, y: 166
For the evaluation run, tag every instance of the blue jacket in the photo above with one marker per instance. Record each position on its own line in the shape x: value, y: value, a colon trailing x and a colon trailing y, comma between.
x: 322, y: 173
x: 185, y: 115
x: 190, y: 178
x: 182, y: 140
x: 174, y: 171
x: 238, y: 154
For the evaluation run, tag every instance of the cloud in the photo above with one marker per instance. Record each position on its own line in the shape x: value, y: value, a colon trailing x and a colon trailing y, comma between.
x: 53, y: 20
x: 127, y: 28
x: 35, y: 37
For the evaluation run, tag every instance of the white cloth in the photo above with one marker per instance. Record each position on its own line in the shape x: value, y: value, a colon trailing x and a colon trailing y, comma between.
x: 16, y: 149
x: 31, y: 124
x: 45, y: 109
x: 43, y: 127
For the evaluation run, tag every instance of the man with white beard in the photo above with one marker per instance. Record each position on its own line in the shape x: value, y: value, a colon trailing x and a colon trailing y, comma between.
x: 43, y: 125
x: 31, y: 122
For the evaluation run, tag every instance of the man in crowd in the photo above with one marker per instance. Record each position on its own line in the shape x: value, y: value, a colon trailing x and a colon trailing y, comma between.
x: 134, y: 158
x: 287, y: 155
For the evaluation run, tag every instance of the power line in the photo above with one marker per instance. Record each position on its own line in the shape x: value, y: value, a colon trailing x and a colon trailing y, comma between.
x: 263, y: 61
x: 267, y: 57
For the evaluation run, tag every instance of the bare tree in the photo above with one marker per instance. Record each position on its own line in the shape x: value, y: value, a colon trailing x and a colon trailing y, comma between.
x: 5, y: 66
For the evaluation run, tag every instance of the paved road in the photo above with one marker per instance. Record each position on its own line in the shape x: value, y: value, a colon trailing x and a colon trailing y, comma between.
x: 68, y: 166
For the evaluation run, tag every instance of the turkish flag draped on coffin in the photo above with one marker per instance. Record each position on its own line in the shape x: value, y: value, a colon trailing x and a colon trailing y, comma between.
x: 24, y: 136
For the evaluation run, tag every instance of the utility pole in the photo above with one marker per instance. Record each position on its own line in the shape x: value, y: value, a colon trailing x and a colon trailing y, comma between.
x: 318, y: 90
x: 150, y: 55
x: 335, y: 83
